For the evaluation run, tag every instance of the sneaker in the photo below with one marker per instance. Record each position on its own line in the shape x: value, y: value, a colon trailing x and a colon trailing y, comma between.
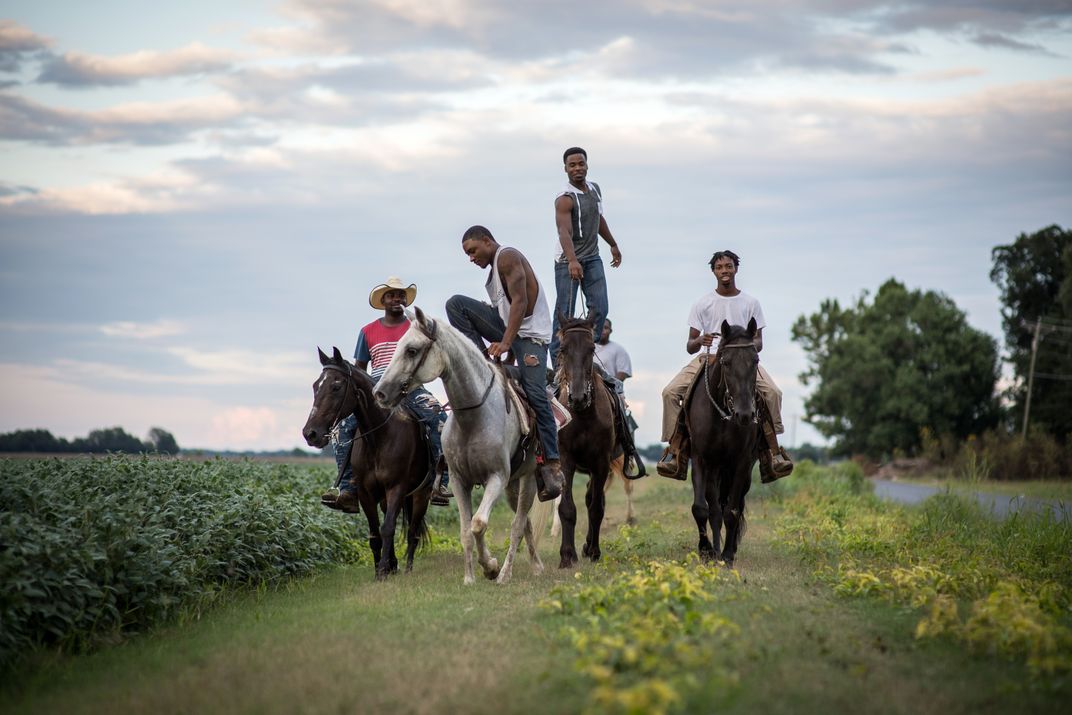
x: 551, y: 480
x: 347, y: 502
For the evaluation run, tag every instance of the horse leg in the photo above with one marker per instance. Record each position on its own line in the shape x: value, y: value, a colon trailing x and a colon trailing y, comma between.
x: 418, y: 508
x: 517, y: 530
x: 630, y: 516
x: 567, y: 512
x: 463, y: 497
x: 597, y: 507
x: 526, y: 495
x: 388, y: 563
x: 372, y: 515
x: 742, y: 481
x: 715, y: 503
x: 700, y: 508
x: 492, y: 489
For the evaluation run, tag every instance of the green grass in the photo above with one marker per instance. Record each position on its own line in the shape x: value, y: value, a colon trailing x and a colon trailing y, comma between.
x: 423, y: 643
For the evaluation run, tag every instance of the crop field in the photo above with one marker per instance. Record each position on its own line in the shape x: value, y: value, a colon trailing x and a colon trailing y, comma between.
x: 134, y: 585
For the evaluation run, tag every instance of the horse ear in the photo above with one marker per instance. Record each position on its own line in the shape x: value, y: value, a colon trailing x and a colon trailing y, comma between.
x: 336, y: 356
x: 725, y: 329
x: 752, y: 327
x: 422, y: 319
x: 410, y: 315
x: 324, y: 359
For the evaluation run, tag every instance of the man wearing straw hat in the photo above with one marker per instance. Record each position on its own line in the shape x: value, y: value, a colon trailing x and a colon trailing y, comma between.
x: 375, y: 346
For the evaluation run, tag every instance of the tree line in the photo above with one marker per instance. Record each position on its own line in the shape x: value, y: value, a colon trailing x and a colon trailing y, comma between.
x: 110, y: 439
x: 894, y: 370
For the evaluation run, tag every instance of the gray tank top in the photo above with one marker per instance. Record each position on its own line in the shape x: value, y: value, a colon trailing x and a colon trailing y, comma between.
x: 536, y: 326
x: 585, y: 219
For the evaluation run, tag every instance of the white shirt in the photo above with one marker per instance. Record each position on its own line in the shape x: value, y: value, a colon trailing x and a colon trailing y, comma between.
x: 613, y: 358
x: 711, y: 309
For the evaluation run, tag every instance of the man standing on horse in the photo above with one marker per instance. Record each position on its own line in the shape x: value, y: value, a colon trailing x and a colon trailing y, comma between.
x: 731, y: 304
x: 580, y: 222
x: 375, y: 346
x: 516, y: 321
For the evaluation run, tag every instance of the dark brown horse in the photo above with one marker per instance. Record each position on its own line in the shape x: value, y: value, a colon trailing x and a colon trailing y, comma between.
x: 724, y: 427
x: 389, y: 457
x: 588, y: 442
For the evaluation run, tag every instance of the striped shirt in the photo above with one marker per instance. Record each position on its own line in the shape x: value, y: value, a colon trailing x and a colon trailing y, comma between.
x: 376, y: 345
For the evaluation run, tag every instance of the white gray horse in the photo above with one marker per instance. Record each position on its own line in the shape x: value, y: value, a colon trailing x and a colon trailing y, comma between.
x: 479, y: 438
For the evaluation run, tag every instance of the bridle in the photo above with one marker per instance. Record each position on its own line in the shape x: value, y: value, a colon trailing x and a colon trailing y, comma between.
x: 432, y: 332
x: 586, y: 396
x: 727, y: 413
x: 348, y: 372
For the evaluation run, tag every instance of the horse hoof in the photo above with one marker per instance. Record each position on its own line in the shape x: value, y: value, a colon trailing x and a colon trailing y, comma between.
x: 492, y: 569
x: 503, y: 579
x: 584, y: 549
x: 478, y: 527
x: 537, y: 569
x: 468, y: 581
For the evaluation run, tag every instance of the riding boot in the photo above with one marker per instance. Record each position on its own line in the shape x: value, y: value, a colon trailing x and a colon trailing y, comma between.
x: 625, y: 439
x: 674, y: 462
x: 549, y: 479
x: 441, y: 491
x: 774, y: 462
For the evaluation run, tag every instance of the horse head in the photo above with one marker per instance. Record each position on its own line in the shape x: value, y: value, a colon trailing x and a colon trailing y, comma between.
x: 739, y: 362
x: 416, y: 361
x: 334, y: 398
x: 576, y: 350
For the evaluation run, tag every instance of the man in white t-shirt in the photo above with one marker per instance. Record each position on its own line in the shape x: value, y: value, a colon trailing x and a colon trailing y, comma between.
x: 727, y: 302
x: 613, y: 358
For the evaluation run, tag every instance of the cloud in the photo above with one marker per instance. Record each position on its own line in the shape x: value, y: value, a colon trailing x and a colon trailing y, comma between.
x: 17, y: 43
x: 143, y: 331
x: 993, y: 39
x: 142, y: 123
x: 75, y: 69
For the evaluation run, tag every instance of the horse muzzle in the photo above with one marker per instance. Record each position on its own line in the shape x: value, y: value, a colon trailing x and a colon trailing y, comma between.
x: 316, y: 438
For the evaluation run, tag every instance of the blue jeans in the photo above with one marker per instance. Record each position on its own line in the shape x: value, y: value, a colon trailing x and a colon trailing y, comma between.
x: 594, y: 287
x: 479, y: 322
x: 428, y: 411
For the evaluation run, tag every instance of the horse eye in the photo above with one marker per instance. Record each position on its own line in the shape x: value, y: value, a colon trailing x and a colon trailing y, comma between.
x: 336, y: 386
x: 411, y: 352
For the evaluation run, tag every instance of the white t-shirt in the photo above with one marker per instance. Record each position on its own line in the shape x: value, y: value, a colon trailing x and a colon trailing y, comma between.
x: 613, y: 358
x: 710, y: 310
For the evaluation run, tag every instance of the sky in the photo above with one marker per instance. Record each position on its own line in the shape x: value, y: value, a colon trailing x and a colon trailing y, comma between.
x: 196, y: 196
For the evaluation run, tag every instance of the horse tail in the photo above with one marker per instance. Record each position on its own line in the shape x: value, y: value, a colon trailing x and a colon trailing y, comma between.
x: 424, y: 537
x: 617, y: 469
x: 538, y: 516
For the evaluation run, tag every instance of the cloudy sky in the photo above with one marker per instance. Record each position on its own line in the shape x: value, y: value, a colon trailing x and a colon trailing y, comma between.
x: 193, y: 197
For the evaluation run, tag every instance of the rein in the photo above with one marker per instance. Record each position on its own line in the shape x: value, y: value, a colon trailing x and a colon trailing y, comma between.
x: 722, y: 381
x: 349, y: 373
x: 432, y: 333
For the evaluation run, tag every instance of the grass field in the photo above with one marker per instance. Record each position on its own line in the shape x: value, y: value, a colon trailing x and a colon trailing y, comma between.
x: 776, y: 636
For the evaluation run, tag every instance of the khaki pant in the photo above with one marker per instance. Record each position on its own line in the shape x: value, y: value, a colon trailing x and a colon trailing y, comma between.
x: 674, y: 393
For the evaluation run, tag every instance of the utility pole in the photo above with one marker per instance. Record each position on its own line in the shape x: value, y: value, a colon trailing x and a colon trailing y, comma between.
x: 1031, y: 375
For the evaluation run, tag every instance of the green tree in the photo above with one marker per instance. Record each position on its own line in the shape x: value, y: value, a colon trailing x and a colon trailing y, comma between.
x: 32, y: 440
x: 883, y: 370
x: 160, y: 440
x: 1034, y: 275
x: 111, y: 439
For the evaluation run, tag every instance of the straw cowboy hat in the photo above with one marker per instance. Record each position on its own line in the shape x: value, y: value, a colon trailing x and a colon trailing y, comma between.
x: 375, y: 298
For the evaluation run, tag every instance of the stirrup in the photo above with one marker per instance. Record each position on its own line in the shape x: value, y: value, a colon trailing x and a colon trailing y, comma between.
x: 635, y: 459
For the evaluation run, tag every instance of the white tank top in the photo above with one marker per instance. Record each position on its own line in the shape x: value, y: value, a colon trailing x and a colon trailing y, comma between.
x: 536, y: 326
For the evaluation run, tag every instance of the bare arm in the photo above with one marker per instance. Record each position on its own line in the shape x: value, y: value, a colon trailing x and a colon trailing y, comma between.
x: 623, y: 376
x: 615, y: 252
x: 564, y: 223
x: 698, y: 340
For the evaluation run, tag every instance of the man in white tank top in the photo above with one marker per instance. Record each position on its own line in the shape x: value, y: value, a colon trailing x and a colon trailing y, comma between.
x: 517, y: 320
x: 727, y: 302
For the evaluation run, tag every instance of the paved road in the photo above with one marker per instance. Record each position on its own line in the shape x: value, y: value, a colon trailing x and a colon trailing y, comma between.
x: 1002, y: 505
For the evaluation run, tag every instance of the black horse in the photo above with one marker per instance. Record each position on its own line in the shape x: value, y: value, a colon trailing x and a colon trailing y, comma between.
x: 389, y: 457
x: 587, y: 443
x: 724, y: 428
